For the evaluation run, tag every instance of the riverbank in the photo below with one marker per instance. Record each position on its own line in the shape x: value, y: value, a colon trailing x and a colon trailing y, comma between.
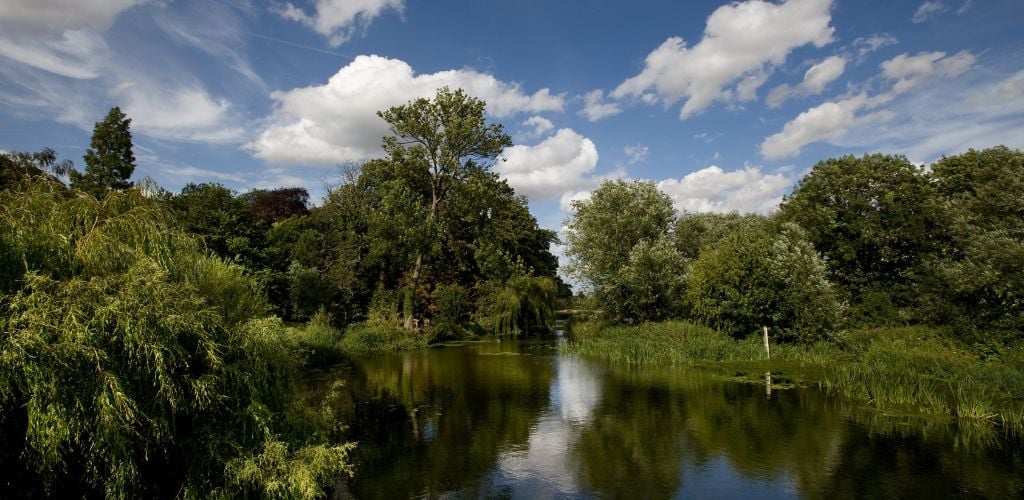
x: 917, y: 369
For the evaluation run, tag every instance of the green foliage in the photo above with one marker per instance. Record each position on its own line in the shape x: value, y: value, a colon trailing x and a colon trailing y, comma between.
x: 109, y: 161
x: 651, y: 284
x: 977, y: 282
x: 874, y: 220
x: 361, y: 338
x: 131, y: 362
x: 603, y: 231
x: 452, y: 309
x: 320, y: 338
x: 761, y: 276
x: 696, y: 231
x: 443, y: 140
x: 278, y: 472
x: 524, y: 304
x: 19, y: 167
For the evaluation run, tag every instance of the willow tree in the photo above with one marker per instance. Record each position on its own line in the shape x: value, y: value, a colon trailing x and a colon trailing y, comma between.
x: 444, y: 137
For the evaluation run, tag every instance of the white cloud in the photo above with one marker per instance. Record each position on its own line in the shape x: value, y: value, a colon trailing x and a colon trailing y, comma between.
x: 826, y: 121
x: 949, y: 119
x: 815, y: 80
x: 178, y: 113
x: 741, y: 41
x: 539, y: 126
x: 339, y: 19
x: 55, y: 16
x: 595, y: 107
x: 560, y: 163
x: 635, y: 153
x: 78, y: 54
x: 869, y: 44
x: 927, y: 10
x: 831, y: 120
x: 59, y: 36
x: 336, y: 122
x: 568, y: 197
x: 910, y: 71
x: 715, y: 190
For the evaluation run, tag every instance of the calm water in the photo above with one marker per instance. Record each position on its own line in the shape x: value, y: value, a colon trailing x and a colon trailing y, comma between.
x: 518, y: 420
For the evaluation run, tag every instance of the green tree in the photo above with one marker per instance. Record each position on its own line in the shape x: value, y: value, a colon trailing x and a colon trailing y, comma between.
x: 441, y: 137
x: 977, y: 281
x: 603, y: 231
x: 874, y: 220
x: 764, y: 276
x: 135, y: 364
x: 19, y: 166
x: 109, y: 161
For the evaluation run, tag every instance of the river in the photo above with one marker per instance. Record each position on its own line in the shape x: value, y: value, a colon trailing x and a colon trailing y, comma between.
x: 517, y: 419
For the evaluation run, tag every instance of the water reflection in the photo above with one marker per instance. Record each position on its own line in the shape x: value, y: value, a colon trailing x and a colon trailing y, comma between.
x: 516, y: 420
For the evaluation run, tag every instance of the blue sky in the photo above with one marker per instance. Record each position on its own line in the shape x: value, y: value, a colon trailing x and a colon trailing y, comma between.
x: 724, y: 105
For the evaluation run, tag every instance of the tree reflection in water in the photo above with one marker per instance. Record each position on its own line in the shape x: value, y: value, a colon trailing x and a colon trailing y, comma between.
x: 516, y: 419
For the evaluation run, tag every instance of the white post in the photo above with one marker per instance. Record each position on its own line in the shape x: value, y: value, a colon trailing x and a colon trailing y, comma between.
x: 767, y: 351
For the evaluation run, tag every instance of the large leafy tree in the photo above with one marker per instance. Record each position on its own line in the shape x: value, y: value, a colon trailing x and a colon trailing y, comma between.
x: 109, y: 161
x: 441, y: 138
x: 873, y: 218
x: 603, y: 232
x: 977, y: 281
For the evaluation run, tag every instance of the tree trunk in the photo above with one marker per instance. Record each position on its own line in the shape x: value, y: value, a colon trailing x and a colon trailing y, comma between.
x: 408, y: 324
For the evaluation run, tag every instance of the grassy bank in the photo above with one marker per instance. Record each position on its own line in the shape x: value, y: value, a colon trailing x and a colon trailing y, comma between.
x: 325, y: 343
x: 898, y: 370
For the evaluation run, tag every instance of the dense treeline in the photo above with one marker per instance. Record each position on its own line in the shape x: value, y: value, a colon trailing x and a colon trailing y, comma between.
x: 860, y: 242
x: 142, y: 347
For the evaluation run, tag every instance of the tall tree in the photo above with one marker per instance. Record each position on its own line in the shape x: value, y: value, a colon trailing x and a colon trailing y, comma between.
x: 109, y: 161
x: 441, y: 137
x: 602, y: 234
x: 874, y: 220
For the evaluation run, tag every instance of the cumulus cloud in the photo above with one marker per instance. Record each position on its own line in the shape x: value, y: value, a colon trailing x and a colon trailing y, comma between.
x: 928, y: 9
x: 635, y: 153
x: 595, y: 107
x: 713, y: 189
x: 815, y: 80
x: 567, y: 199
x: 336, y: 122
x: 339, y: 19
x: 560, y: 163
x: 831, y: 120
x: 538, y: 125
x: 741, y: 42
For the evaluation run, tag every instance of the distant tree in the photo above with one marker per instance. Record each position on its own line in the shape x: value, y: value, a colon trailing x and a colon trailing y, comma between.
x: 223, y: 220
x: 109, y: 161
x: 874, y: 220
x: 694, y: 231
x: 441, y: 138
x: 603, y: 232
x: 276, y: 205
x: 17, y: 166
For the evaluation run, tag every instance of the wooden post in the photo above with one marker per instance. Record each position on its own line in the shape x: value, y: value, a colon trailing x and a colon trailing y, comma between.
x: 767, y: 350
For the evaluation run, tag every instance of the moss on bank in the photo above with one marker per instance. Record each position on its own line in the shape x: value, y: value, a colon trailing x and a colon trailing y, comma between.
x: 912, y: 369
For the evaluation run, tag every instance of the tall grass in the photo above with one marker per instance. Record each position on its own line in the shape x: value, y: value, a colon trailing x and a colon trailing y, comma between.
x: 361, y: 338
x: 904, y: 370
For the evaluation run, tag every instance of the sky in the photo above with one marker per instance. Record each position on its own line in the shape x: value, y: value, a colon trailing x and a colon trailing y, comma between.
x: 724, y: 105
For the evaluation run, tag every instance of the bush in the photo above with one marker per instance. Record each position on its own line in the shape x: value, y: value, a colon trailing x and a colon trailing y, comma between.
x: 763, y: 276
x: 522, y: 305
x: 132, y: 363
x: 452, y: 307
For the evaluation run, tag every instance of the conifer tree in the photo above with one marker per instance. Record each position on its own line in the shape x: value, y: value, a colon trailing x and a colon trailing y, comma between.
x: 109, y: 161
